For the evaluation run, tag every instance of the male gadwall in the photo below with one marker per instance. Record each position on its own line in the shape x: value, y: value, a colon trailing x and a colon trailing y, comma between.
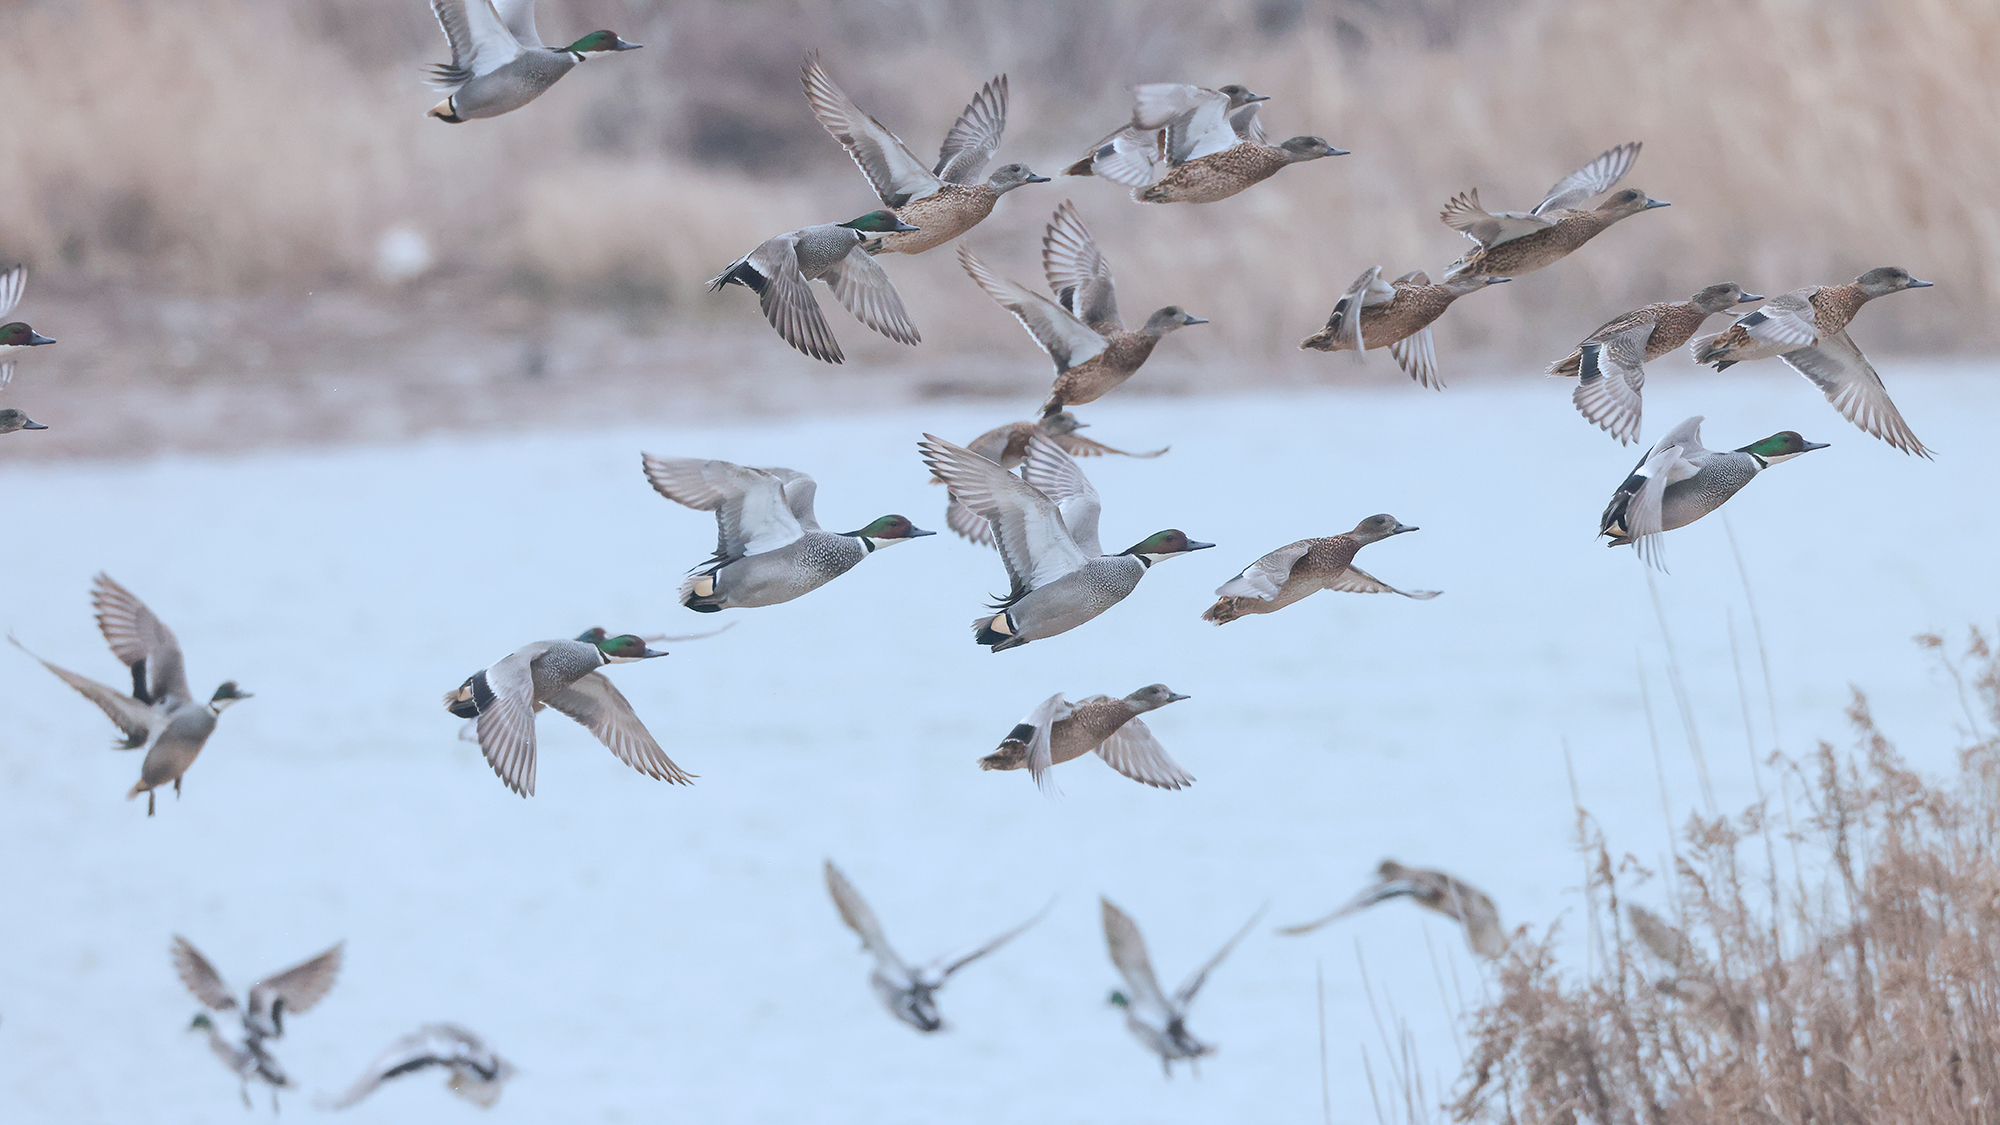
x: 1058, y: 731
x: 1046, y: 529
x: 1395, y: 315
x: 1172, y: 123
x: 779, y: 270
x: 1678, y: 481
x: 161, y: 715
x: 908, y: 991
x: 1154, y: 1018
x: 941, y: 203
x: 16, y: 335
x: 1609, y: 365
x: 1512, y: 243
x: 1807, y: 328
x: 498, y: 63
x: 505, y: 698
x: 476, y: 1072
x: 1306, y: 567
x: 1435, y: 891
x: 769, y: 547
x: 1007, y: 446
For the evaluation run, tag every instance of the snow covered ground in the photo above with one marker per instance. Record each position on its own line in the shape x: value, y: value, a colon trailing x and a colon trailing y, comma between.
x: 645, y: 952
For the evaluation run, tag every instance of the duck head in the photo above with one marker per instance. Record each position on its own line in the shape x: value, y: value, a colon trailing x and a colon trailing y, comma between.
x: 1118, y: 999
x: 876, y: 222
x: 1153, y: 696
x: 888, y: 530
x: 201, y: 1022
x: 19, y: 335
x: 624, y: 648
x: 1240, y: 96
x: 1880, y: 281
x: 1060, y: 423
x: 225, y: 695
x: 918, y: 1008
x: 1007, y: 177
x: 1630, y: 201
x: 598, y: 42
x: 1456, y: 287
x: 593, y: 635
x: 1380, y: 527
x: 1168, y: 319
x: 1163, y: 545
x: 1715, y: 298
x: 1310, y: 148
x: 1781, y: 446
x: 12, y: 419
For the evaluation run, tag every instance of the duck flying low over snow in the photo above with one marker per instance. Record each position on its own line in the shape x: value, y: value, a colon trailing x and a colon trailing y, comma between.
x: 1609, y: 365
x: 475, y: 1072
x: 1306, y: 567
x: 161, y: 715
x: 909, y: 992
x: 16, y: 335
x: 1171, y: 124
x: 1512, y: 243
x: 505, y: 698
x: 1058, y: 731
x: 1678, y: 481
x: 1007, y: 446
x: 1434, y: 891
x: 597, y: 634
x: 1092, y: 350
x: 940, y: 203
x: 1154, y: 1018
x: 1807, y: 328
x: 1046, y: 529
x: 291, y: 992
x: 1396, y: 315
x: 781, y: 269
x: 498, y: 63
x: 768, y: 546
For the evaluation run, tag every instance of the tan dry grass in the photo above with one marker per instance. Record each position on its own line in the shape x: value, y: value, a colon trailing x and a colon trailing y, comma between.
x: 227, y: 146
x: 1835, y: 958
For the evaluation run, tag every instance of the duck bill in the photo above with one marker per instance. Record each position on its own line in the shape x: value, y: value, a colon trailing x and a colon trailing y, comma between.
x: 1176, y: 697
x: 622, y: 45
x: 1034, y: 179
x: 1808, y: 447
x: 918, y: 533
x: 1749, y: 297
x: 1194, y: 320
x: 1253, y: 99
x: 1194, y: 546
x: 1332, y: 151
x: 902, y: 227
x: 1402, y: 527
x: 1652, y: 203
x: 33, y: 425
x: 652, y: 652
x: 1915, y: 284
x: 36, y: 339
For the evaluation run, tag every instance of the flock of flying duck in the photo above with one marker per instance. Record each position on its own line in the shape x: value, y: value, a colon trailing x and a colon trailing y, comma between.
x: 1017, y: 488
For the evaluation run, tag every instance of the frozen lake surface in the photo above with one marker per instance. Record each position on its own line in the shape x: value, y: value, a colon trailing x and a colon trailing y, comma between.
x: 644, y: 952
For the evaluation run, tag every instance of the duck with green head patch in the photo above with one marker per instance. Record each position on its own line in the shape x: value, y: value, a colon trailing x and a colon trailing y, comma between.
x: 1155, y: 1019
x: 769, y: 547
x: 1678, y: 481
x: 505, y: 698
x: 498, y: 62
x: 780, y: 269
x: 161, y: 715
x: 1046, y: 529
x: 16, y: 335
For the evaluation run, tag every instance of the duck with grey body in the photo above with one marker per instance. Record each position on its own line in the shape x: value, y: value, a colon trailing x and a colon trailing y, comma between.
x: 1046, y: 530
x: 1679, y: 481
x: 1511, y: 243
x: 1306, y: 567
x: 476, y: 1073
x: 504, y: 699
x: 1155, y: 1019
x: 908, y: 991
x: 1059, y: 731
x: 291, y: 992
x: 498, y: 62
x: 780, y: 269
x: 1609, y: 365
x: 161, y: 715
x: 769, y: 547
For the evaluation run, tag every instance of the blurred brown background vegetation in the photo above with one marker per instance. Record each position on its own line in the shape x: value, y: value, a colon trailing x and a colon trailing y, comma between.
x: 184, y: 174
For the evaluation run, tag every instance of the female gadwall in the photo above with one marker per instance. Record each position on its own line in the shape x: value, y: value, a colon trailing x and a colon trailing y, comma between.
x: 498, y: 63
x: 1306, y: 567
x: 1154, y: 1018
x: 909, y: 992
x: 161, y: 714
x: 1678, y: 481
x: 1512, y: 243
x: 779, y: 270
x: 1046, y: 529
x: 1092, y: 350
x: 1219, y: 175
x: 1007, y: 446
x: 1058, y: 731
x: 505, y: 698
x: 476, y: 1072
x: 1172, y: 123
x: 16, y: 335
x: 1434, y: 891
x: 1395, y: 315
x: 1807, y: 328
x: 941, y: 203
x: 1609, y: 365
x: 769, y: 547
